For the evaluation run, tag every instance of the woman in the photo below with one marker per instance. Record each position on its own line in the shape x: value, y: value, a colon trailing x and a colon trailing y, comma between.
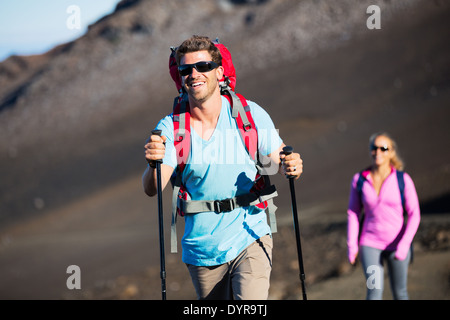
x: 384, y: 234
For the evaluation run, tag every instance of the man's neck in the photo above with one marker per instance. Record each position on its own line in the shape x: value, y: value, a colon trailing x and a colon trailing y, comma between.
x: 205, y: 115
x: 206, y: 111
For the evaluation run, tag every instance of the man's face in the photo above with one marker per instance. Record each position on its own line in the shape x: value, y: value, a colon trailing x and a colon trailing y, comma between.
x: 200, y: 85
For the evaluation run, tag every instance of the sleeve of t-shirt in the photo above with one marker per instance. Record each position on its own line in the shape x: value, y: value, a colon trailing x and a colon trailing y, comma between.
x: 268, y: 136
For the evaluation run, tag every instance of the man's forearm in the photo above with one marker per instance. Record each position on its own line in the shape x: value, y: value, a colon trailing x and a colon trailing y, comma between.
x: 149, y: 181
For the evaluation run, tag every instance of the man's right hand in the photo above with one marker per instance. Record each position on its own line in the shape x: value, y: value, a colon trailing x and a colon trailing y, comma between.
x: 155, y: 148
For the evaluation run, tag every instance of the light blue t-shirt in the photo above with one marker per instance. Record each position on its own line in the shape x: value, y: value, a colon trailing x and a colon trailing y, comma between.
x: 217, y: 169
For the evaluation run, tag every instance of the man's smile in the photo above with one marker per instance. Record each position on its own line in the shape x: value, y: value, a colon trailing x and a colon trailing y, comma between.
x: 197, y: 84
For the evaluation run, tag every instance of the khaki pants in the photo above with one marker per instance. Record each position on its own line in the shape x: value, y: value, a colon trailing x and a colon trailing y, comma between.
x: 244, y: 278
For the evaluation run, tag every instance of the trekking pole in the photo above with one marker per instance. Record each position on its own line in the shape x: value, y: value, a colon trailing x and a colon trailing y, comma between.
x: 287, y: 151
x: 161, y: 224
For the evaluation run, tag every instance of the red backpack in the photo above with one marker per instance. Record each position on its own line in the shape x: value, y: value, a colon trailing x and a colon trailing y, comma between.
x: 262, y: 193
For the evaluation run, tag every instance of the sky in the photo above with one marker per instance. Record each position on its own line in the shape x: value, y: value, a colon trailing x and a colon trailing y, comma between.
x: 34, y: 27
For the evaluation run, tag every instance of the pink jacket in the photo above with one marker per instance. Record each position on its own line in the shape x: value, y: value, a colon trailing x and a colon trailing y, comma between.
x: 383, y: 226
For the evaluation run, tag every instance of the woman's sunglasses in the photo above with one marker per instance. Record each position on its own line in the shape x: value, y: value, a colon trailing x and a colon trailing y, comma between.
x: 383, y: 148
x: 202, y: 66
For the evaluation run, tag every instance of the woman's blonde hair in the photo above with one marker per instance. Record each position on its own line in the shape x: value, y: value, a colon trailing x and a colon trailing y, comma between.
x: 396, y: 160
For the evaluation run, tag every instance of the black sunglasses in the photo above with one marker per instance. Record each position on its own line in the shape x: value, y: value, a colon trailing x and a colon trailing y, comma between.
x: 202, y: 66
x: 383, y: 148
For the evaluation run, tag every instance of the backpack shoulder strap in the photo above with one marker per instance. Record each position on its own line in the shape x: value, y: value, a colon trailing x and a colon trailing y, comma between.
x: 182, y: 143
x: 246, y: 125
x: 359, y: 185
x: 401, y: 186
x: 182, y: 129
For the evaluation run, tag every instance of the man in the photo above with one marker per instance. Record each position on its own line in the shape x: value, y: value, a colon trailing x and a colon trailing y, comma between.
x: 228, y: 254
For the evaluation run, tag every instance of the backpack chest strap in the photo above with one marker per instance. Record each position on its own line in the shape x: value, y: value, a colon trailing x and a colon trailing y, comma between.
x: 226, y: 205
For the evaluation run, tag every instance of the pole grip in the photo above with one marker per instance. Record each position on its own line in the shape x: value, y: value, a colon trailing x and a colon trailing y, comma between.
x: 157, y: 133
x: 287, y: 150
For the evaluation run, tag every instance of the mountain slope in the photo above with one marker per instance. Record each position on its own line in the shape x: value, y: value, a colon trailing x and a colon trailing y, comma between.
x: 75, y: 119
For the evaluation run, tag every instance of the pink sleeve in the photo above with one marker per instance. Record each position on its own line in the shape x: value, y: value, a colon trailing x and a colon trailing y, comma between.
x: 353, y: 212
x: 413, y: 209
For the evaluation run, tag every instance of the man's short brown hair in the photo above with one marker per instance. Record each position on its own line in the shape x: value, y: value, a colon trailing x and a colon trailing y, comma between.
x: 199, y: 43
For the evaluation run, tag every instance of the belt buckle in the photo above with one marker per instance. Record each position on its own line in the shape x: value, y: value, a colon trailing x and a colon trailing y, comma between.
x: 223, y: 205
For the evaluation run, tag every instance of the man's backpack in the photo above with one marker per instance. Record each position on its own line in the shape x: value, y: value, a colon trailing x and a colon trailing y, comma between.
x: 262, y: 193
